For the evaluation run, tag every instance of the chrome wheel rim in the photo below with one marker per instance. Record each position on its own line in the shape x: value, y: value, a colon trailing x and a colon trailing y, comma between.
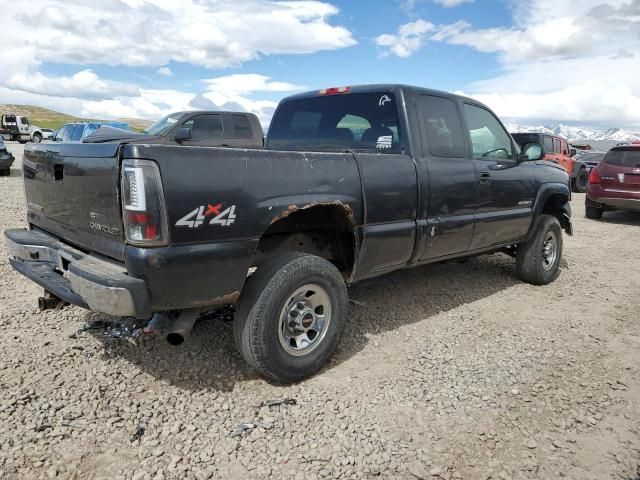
x: 549, y: 250
x: 304, y: 320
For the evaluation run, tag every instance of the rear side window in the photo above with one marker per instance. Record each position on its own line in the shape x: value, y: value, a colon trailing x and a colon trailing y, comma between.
x: 241, y: 126
x: 556, y: 146
x: 488, y: 138
x: 205, y: 126
x: 444, y: 130
x: 623, y: 158
x: 548, y: 144
x: 359, y: 121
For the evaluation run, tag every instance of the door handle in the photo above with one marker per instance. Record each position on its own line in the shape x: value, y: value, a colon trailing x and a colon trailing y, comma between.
x: 485, y: 178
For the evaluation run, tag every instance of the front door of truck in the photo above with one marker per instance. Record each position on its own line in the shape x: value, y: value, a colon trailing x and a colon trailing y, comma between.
x: 448, y: 181
x: 505, y: 186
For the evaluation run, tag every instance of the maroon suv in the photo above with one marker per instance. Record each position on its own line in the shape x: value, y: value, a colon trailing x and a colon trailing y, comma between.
x: 615, y: 183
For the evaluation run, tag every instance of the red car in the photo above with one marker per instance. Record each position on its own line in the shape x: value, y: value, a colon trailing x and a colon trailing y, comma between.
x: 615, y: 183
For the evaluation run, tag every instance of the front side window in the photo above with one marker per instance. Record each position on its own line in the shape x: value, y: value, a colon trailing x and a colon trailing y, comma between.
x: 358, y: 121
x: 444, y: 129
x: 24, y: 121
x: 488, y: 139
x: 205, y: 126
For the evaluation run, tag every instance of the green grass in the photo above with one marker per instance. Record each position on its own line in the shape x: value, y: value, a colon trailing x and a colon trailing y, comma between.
x: 45, y: 118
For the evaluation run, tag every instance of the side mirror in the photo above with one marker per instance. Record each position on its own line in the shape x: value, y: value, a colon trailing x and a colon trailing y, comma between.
x: 573, y: 152
x: 182, y: 134
x: 532, y: 151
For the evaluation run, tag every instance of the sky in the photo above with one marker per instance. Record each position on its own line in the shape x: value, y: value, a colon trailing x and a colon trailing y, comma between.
x: 531, y: 61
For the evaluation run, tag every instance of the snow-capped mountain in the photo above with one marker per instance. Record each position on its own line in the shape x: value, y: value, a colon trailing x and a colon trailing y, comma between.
x: 585, y: 134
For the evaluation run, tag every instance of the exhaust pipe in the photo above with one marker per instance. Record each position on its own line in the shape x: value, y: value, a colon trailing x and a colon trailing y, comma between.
x: 182, y: 325
x: 49, y: 302
x: 174, y: 324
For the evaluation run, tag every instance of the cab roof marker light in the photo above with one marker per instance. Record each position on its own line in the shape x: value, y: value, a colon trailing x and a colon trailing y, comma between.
x: 335, y: 90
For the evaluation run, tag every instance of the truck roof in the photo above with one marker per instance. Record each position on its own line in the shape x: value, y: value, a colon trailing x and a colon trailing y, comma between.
x: 382, y: 87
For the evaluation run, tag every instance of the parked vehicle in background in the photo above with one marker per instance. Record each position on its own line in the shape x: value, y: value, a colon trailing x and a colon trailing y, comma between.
x: 19, y: 129
x: 557, y: 149
x: 47, y: 133
x: 76, y: 131
x: 614, y: 184
x: 355, y: 182
x: 198, y: 128
x: 6, y: 159
x: 590, y: 159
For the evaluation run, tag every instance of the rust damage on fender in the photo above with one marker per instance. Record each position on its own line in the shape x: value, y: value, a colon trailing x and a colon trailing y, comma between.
x: 295, y: 208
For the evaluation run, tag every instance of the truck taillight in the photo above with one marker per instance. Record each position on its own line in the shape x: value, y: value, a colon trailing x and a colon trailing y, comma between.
x: 143, y: 209
x: 594, y: 177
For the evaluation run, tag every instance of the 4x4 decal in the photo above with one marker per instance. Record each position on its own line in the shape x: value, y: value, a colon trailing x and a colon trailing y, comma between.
x: 198, y: 216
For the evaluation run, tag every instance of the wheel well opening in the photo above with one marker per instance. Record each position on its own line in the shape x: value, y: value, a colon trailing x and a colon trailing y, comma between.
x: 554, y: 206
x: 325, y: 230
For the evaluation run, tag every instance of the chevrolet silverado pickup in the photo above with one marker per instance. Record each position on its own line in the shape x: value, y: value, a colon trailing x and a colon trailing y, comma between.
x: 354, y: 182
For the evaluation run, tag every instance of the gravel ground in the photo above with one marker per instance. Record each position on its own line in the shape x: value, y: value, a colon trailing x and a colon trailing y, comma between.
x: 450, y: 371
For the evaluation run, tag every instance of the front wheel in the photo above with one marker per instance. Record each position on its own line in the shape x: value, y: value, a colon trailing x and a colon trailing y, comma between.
x: 290, y: 316
x: 579, y: 184
x: 538, y: 259
x: 37, y: 138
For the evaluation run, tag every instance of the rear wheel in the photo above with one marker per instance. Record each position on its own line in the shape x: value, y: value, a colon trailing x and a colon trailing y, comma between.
x: 592, y: 210
x: 290, y: 316
x: 579, y: 184
x: 538, y: 260
x: 37, y: 138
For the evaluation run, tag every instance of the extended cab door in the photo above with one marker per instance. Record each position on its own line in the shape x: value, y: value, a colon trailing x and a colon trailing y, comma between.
x: 448, y: 181
x: 505, y: 187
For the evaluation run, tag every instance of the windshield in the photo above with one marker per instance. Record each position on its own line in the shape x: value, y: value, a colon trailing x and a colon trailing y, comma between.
x: 164, y: 125
x: 366, y: 121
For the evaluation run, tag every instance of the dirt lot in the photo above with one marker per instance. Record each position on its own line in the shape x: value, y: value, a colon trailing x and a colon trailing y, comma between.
x: 451, y: 371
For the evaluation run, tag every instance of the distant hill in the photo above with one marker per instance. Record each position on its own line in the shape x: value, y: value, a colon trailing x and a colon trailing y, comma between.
x: 602, y: 139
x: 45, y: 118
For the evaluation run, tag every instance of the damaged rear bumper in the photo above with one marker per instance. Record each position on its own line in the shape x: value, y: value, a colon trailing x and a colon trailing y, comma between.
x: 76, y: 277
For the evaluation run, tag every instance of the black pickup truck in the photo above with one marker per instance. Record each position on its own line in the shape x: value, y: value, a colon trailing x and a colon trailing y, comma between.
x: 354, y: 182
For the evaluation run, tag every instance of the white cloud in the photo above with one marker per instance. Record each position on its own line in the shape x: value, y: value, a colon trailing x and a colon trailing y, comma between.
x: 408, y: 39
x: 164, y: 71
x: 84, y: 84
x: 452, y: 3
x: 153, y: 33
x: 210, y: 34
x: 249, y: 83
x: 574, y: 61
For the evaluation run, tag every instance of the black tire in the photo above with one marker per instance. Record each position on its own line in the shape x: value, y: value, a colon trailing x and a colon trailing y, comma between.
x: 533, y: 262
x: 257, y: 325
x: 592, y: 210
x: 579, y: 184
x: 37, y: 138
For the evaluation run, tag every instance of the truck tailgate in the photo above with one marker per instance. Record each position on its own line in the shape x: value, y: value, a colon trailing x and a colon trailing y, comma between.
x: 72, y: 192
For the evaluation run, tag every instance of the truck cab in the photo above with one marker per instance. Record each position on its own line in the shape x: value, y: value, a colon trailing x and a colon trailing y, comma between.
x: 20, y: 129
x: 206, y: 129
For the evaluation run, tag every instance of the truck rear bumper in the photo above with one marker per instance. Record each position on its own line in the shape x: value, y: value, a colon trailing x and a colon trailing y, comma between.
x: 76, y: 277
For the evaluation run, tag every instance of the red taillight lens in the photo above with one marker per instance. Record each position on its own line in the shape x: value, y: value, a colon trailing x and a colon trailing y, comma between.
x: 335, y: 90
x: 594, y: 177
x: 143, y: 209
